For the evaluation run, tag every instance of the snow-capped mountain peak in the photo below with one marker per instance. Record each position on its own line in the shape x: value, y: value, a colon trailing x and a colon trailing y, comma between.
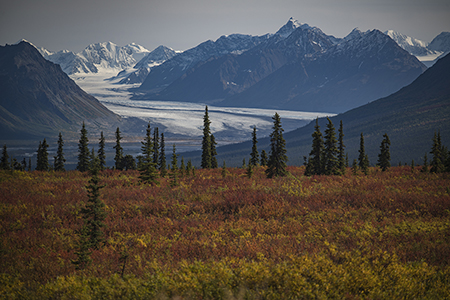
x: 414, y: 46
x: 290, y: 27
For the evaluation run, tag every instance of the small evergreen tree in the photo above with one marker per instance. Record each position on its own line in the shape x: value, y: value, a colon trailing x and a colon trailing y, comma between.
x: 276, y: 165
x: 206, y: 142
x: 83, y: 151
x: 118, y: 158
x: 42, y: 157
x: 264, y: 158
x: 59, y: 158
x: 128, y: 162
x: 188, y: 167
x: 244, y: 165
x: 182, y: 167
x: 384, y: 158
x: 4, y: 164
x: 330, y: 163
x: 254, y: 155
x: 224, y: 170
x: 355, y: 167
x: 363, y: 159
x: 249, y: 171
x: 342, y: 157
x: 101, y: 152
x: 162, y: 157
x: 425, y: 164
x: 174, y: 168
x: 148, y: 171
x: 156, y: 147
x: 316, y: 154
x: 214, y: 164
x: 436, y: 164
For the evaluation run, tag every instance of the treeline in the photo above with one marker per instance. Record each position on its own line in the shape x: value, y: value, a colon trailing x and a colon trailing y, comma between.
x: 327, y: 156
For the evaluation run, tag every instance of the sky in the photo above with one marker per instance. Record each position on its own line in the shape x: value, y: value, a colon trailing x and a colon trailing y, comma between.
x: 183, y: 24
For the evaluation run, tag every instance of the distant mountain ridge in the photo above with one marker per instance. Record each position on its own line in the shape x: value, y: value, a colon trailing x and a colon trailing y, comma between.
x: 428, y: 53
x: 95, y: 56
x: 410, y: 117
x: 298, y: 68
x: 39, y: 100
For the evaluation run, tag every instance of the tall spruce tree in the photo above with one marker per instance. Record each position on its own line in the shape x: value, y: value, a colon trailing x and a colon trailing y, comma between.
x: 363, y: 159
x: 94, y: 214
x: 342, y: 158
x: 83, y: 151
x: 174, y: 168
x: 254, y: 155
x: 118, y: 158
x: 4, y: 164
x: 42, y: 157
x: 206, y: 142
x: 384, y: 158
x: 436, y: 164
x: 276, y: 165
x: 156, y: 146
x: 162, y: 157
x: 316, y: 154
x: 59, y: 158
x: 101, y: 152
x: 148, y: 171
x: 214, y: 164
x: 330, y: 163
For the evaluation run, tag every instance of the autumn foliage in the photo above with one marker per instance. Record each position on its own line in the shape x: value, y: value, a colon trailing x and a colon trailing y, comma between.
x: 222, y: 235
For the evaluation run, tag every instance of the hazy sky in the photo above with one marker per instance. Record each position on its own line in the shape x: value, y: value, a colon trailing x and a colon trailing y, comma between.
x: 183, y: 24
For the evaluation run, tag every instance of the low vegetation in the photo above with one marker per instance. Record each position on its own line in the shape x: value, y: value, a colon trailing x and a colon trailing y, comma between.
x: 221, y: 234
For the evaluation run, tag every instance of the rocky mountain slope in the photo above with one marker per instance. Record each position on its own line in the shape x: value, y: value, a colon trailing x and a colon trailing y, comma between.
x: 39, y: 100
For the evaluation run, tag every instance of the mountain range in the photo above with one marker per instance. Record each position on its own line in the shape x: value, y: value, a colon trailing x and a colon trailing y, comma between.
x: 297, y: 68
x: 410, y: 117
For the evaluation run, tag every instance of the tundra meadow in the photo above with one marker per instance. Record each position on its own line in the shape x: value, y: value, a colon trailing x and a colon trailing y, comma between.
x: 223, y: 234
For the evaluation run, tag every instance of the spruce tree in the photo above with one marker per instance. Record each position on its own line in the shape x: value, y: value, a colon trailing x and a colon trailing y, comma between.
x: 128, y: 162
x: 249, y: 171
x: 118, y: 158
x: 101, y: 152
x: 4, y: 164
x: 182, y: 167
x: 188, y: 167
x: 254, y: 155
x: 224, y: 170
x: 162, y: 157
x: 148, y: 171
x: 42, y: 157
x: 316, y: 154
x: 384, y: 158
x: 156, y: 147
x: 264, y: 158
x: 214, y: 164
x: 436, y: 164
x: 363, y: 160
x: 83, y: 151
x: 59, y: 158
x: 425, y: 164
x: 342, y: 157
x: 330, y: 163
x: 91, y: 235
x: 174, y: 168
x: 206, y: 142
x: 276, y: 165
